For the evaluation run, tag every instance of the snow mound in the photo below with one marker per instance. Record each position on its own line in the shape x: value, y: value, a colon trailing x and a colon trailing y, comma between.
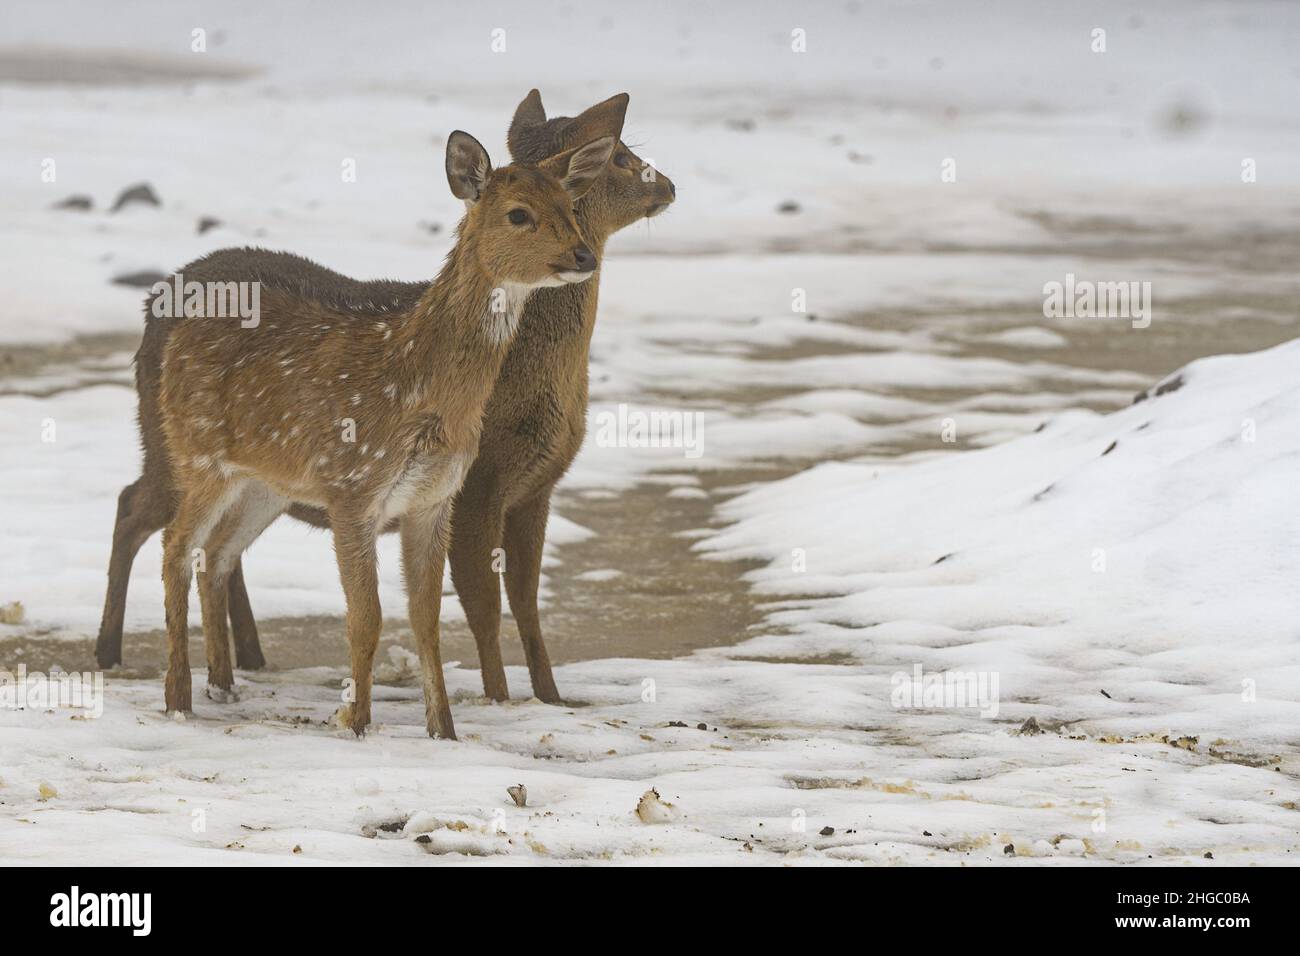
x: 1134, y: 566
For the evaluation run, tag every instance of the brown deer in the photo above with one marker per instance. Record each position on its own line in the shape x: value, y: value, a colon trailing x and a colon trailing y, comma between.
x: 372, y: 419
x: 536, y: 417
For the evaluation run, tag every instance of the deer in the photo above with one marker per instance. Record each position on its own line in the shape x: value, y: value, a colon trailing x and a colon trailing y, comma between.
x: 256, y: 419
x: 534, y: 422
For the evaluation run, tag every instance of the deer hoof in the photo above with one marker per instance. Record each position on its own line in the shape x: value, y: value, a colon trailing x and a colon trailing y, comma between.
x: 222, y: 695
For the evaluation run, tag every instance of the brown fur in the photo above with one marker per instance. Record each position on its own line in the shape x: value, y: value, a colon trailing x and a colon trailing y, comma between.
x: 368, y: 419
x: 533, y: 426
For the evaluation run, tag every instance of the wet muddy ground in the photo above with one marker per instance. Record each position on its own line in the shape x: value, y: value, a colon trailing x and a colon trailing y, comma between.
x: 636, y: 588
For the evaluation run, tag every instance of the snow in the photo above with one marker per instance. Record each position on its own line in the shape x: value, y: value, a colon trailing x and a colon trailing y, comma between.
x: 1150, y: 553
x: 1173, y: 760
x: 1136, y: 601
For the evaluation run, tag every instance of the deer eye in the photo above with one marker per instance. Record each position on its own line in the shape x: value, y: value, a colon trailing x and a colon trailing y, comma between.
x: 517, y: 216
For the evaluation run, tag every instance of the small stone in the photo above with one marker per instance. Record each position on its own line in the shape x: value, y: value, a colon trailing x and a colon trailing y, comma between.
x: 652, y: 808
x: 144, y: 279
x: 788, y: 207
x: 701, y: 726
x: 77, y: 203
x: 827, y: 831
x: 1030, y: 728
x: 519, y: 794
x: 140, y: 193
x: 208, y: 222
x: 1209, y: 855
x: 1009, y: 849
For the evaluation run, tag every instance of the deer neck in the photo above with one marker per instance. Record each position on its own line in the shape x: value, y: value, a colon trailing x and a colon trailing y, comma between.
x: 564, y: 318
x: 451, y: 345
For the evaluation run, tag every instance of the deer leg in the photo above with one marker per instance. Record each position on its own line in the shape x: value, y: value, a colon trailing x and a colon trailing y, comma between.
x: 525, y: 533
x: 140, y: 512
x: 354, y: 547
x: 216, y: 639
x: 243, y: 626
x: 248, y: 646
x: 476, y: 533
x: 199, y: 509
x: 424, y: 549
x: 254, y: 510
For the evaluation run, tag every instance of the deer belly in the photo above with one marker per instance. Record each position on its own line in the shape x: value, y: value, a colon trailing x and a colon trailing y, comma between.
x: 425, y: 482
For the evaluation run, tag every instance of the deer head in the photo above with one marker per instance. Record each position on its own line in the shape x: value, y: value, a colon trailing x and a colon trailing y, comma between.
x: 519, y: 226
x: 629, y: 188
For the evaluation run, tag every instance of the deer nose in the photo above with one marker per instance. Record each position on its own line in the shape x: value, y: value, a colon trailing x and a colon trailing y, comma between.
x: 585, y: 259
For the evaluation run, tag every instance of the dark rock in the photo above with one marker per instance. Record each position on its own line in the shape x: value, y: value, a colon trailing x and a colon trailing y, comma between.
x: 208, y: 222
x: 701, y: 726
x: 139, y: 280
x: 1009, y: 849
x: 788, y: 207
x: 1171, y: 384
x: 827, y: 831
x: 79, y: 203
x: 141, y: 193
x: 1030, y: 728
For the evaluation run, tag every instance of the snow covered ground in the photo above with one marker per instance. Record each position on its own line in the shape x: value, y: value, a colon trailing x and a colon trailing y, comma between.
x: 1124, y: 575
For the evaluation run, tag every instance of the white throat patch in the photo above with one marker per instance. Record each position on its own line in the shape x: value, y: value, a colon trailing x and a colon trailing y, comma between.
x: 505, y: 306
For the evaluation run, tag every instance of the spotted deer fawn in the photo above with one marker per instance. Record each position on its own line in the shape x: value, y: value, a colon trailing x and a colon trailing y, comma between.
x: 257, y: 419
x: 533, y: 425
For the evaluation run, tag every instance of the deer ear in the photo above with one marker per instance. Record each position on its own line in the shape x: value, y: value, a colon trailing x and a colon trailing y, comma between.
x: 468, y: 166
x: 528, y: 114
x: 577, y: 169
x: 530, y: 111
x: 603, y: 119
